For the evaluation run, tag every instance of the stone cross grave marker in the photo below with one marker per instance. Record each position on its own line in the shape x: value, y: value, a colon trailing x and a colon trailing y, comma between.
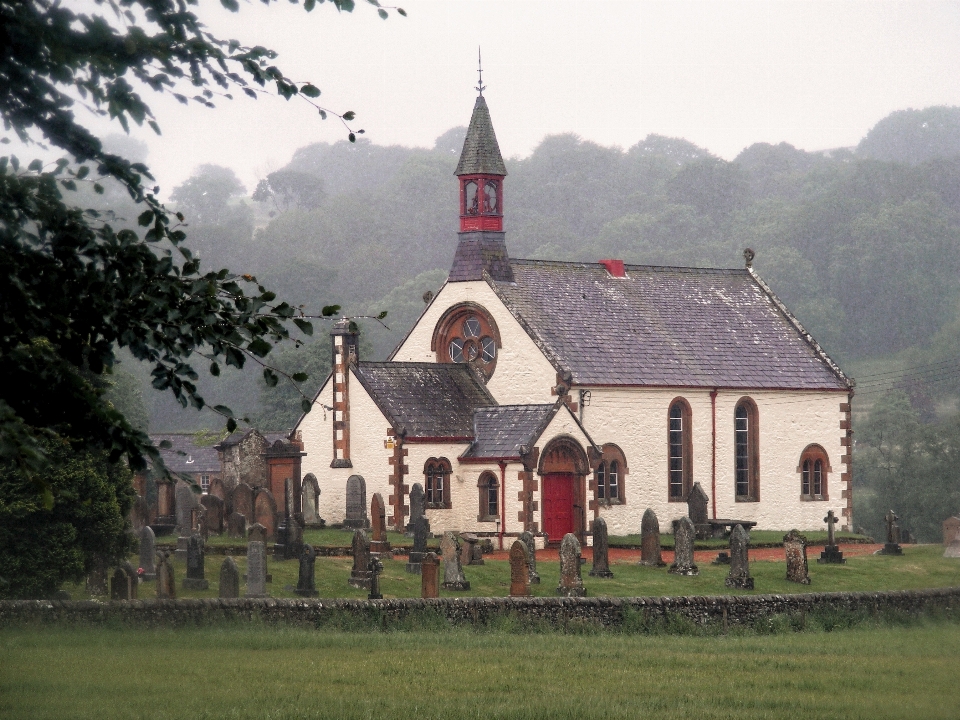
x: 166, y: 581
x: 795, y: 549
x: 528, y: 540
x: 683, y: 536
x: 360, y: 574
x: 256, y: 569
x: 356, y: 503
x: 519, y: 571
x: 195, y: 579
x: 148, y: 550
x: 892, y: 546
x: 229, y: 579
x: 453, y: 578
x: 417, y: 507
x: 601, y: 550
x: 831, y: 553
x: 650, y: 554
x: 571, y: 583
x: 306, y: 578
x: 375, y: 567
x: 739, y: 576
x: 421, y: 529
x: 430, y: 576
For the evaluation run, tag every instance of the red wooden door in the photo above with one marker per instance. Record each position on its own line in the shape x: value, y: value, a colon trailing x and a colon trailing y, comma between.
x: 557, y: 505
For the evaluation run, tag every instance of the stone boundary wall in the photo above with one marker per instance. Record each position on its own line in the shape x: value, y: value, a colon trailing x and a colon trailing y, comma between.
x: 606, y: 611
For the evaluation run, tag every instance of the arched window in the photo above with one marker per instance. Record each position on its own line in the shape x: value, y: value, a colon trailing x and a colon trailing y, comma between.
x: 436, y: 483
x: 489, y: 497
x: 746, y: 452
x: 814, y: 468
x: 471, y: 201
x: 680, y: 451
x: 608, y: 477
x: 467, y: 334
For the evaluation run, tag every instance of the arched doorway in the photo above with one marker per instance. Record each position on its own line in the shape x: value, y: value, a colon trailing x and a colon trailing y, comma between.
x: 563, y: 467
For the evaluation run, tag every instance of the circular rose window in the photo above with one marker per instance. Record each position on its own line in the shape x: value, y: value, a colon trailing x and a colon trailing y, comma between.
x: 467, y: 335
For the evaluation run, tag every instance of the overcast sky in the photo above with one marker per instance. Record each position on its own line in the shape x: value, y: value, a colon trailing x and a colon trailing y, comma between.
x: 815, y: 73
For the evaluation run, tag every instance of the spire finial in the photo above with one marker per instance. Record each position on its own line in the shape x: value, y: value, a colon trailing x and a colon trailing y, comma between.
x: 480, y: 86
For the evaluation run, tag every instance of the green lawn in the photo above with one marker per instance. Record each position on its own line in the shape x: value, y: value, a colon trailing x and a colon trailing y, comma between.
x: 921, y: 566
x: 253, y: 671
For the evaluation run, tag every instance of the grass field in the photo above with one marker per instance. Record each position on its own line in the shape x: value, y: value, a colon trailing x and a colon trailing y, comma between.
x: 251, y: 671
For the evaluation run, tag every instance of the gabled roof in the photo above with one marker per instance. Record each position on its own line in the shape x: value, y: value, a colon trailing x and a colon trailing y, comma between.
x: 481, y: 152
x: 425, y: 400
x: 499, y: 432
x: 665, y: 326
x: 184, y: 455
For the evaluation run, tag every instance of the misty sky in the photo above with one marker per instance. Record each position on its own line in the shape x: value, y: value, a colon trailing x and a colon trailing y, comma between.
x: 817, y: 74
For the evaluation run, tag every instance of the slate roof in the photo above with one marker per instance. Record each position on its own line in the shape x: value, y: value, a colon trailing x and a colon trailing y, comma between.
x: 434, y: 400
x: 481, y: 152
x: 500, y: 431
x: 184, y: 456
x: 665, y: 326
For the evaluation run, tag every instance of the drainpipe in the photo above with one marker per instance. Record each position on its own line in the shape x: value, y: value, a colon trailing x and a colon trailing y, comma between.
x: 503, y: 501
x: 713, y: 462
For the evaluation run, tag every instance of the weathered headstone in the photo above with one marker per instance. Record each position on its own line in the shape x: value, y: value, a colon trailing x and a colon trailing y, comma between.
x: 470, y: 553
x: 421, y: 528
x: 601, y: 550
x: 213, y: 517
x: 265, y: 512
x: 195, y: 579
x: 289, y: 533
x: 683, y: 536
x: 198, y: 521
x: 97, y: 577
x: 953, y: 549
x: 417, y: 507
x: 527, y: 538
x: 795, y: 549
x: 375, y: 567
x: 148, y: 550
x: 243, y: 502
x: 519, y: 570
x: 571, y: 583
x: 257, y: 533
x: 123, y: 585
x: 378, y: 524
x: 650, y: 554
x: 186, y: 500
x: 739, y: 576
x: 356, y: 503
x: 892, y: 546
x: 237, y: 525
x: 453, y: 578
x: 360, y: 574
x: 831, y: 554
x: 306, y: 580
x: 310, y: 499
x: 256, y: 569
x: 229, y: 579
x: 430, y: 576
x: 951, y: 529
x: 698, y: 511
x: 166, y: 581
x: 216, y: 489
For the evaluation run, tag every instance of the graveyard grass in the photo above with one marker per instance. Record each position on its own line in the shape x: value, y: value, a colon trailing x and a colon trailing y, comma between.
x: 872, y: 672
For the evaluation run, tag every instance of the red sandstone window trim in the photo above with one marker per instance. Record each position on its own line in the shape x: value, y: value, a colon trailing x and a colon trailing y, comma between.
x: 436, y: 483
x: 814, y: 486
x: 746, y: 457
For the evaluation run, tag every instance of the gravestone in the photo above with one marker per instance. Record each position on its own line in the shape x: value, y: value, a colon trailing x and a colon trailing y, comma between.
x: 418, y: 507
x: 697, y: 511
x: 185, y: 500
x: 97, y: 580
x: 198, y: 521
x: 148, y: 549
x: 310, y: 499
x: 257, y: 533
x: 421, y: 529
x: 650, y: 554
x: 683, y: 536
x: 795, y: 549
x: 256, y: 569
x: 831, y: 554
x: 243, y: 502
x: 430, y: 576
x: 951, y: 529
x: 892, y: 546
x: 166, y: 580
x: 213, y: 517
x: 378, y: 523
x: 571, y: 584
x: 601, y: 550
x: 229, y: 579
x: 519, y: 570
x: 195, y: 579
x: 306, y: 580
x: 289, y: 533
x: 356, y: 503
x: 265, y: 512
x: 470, y: 552
x: 953, y: 549
x: 360, y: 574
x: 237, y: 525
x: 375, y: 567
x: 453, y: 578
x: 216, y: 489
x: 123, y: 584
x: 531, y: 544
x: 739, y: 576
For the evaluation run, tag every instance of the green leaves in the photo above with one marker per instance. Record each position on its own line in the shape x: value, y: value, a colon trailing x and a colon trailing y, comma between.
x: 231, y: 5
x: 330, y: 310
x: 310, y: 91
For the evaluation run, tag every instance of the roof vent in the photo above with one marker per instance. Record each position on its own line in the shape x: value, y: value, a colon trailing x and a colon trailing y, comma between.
x: 614, y: 267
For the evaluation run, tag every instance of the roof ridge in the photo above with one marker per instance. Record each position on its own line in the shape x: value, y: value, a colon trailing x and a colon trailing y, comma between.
x: 591, y: 265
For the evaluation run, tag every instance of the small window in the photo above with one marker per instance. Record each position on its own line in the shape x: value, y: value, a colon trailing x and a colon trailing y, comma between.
x: 470, y: 200
x: 613, y: 487
x: 746, y: 452
x: 814, y: 469
x: 205, y: 483
x: 679, y: 451
x: 490, y: 204
x: 608, y: 477
x: 436, y: 483
x: 489, y: 497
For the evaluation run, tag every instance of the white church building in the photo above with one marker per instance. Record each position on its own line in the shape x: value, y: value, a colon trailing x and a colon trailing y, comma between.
x: 538, y: 395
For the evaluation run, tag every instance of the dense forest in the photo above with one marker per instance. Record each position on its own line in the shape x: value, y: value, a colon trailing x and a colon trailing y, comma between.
x: 863, y: 244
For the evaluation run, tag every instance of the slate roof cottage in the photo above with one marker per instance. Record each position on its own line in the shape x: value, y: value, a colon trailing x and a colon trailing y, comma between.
x: 536, y: 395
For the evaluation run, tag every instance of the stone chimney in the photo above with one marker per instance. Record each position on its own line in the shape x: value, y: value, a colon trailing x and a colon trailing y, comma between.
x: 346, y: 344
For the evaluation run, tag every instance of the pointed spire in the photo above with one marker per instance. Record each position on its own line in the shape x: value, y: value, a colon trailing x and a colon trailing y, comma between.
x: 481, y: 152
